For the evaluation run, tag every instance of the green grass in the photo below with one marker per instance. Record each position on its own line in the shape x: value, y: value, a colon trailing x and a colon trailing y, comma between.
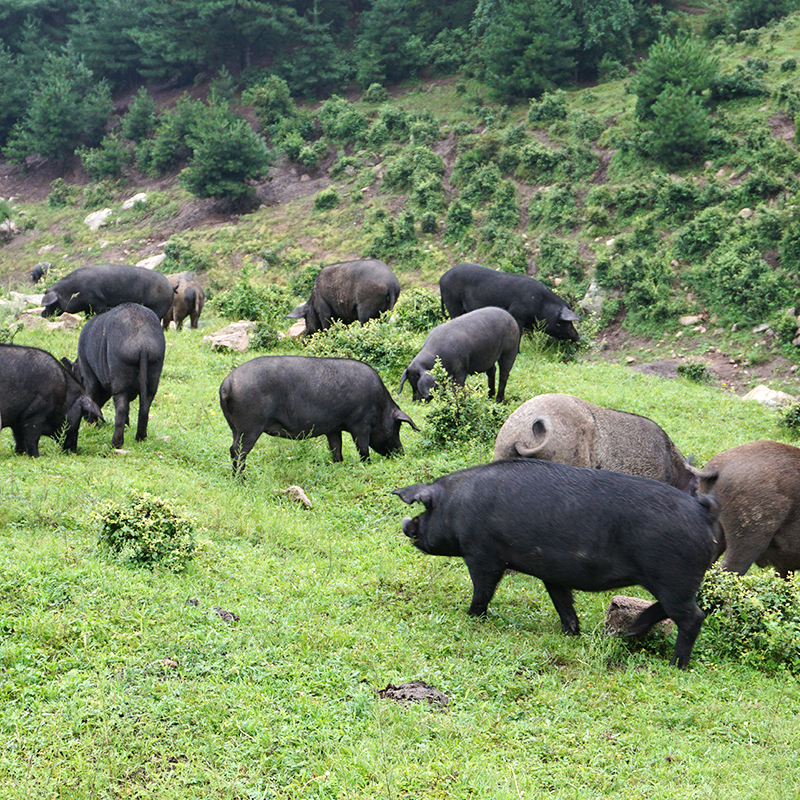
x: 113, y: 685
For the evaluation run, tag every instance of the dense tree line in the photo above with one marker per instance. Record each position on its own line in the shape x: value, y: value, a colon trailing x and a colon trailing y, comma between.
x: 63, y: 59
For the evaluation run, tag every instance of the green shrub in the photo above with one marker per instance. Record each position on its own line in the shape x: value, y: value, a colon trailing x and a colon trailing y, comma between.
x: 695, y: 371
x: 418, y: 310
x: 106, y: 161
x: 460, y: 413
x: 789, y: 65
x: 271, y: 99
x: 585, y: 127
x: 62, y: 194
x: 538, y: 163
x: 557, y: 256
x: 98, y: 195
x: 551, y: 105
x: 790, y: 418
x: 146, y: 531
x: 264, y: 336
x: 504, y: 209
x: 394, y: 238
x: 327, y: 199
x: 459, y: 218
x: 341, y: 120
x: 482, y: 185
x: 553, y: 207
x: 753, y: 618
x: 428, y: 223
x: 703, y: 233
x: 377, y: 343
x: 302, y: 282
x: 375, y: 94
x: 184, y: 257
x: 260, y: 303
x: 427, y: 192
x: 401, y: 169
x: 746, y: 80
x: 681, y: 126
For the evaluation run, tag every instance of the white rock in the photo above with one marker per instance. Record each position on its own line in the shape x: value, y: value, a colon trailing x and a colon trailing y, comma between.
x: 140, y: 197
x: 762, y: 328
x: 298, y: 329
x: 690, y: 320
x: 746, y: 213
x: 235, y: 336
x: 769, y: 397
x: 97, y: 219
x: 152, y: 262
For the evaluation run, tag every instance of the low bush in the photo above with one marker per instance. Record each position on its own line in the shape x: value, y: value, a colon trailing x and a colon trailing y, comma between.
x: 790, y: 418
x: 244, y: 301
x: 108, y: 160
x: 375, y: 342
x: 182, y: 256
x: 146, y: 531
x: 98, y: 195
x: 460, y: 413
x: 375, y: 94
x: 551, y: 105
x: 418, y: 310
x: 695, y: 371
x: 327, y: 199
x: 62, y: 194
x: 753, y: 618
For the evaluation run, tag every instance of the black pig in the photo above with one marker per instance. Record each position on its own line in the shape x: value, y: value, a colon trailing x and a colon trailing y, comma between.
x: 349, y: 291
x: 573, y: 528
x: 475, y: 342
x: 39, y: 397
x: 96, y: 288
x: 121, y: 355
x: 297, y: 397
x: 466, y: 287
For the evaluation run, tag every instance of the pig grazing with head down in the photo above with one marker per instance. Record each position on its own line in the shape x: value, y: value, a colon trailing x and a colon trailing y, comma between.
x: 473, y: 343
x: 349, y: 291
x: 121, y: 355
x: 466, y: 287
x: 39, y: 397
x: 757, y: 486
x: 590, y: 530
x: 297, y: 397
x: 569, y: 430
x: 96, y: 288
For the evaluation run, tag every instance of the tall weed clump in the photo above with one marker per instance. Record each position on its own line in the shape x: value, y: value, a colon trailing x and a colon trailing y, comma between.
x: 146, y: 531
x: 753, y: 618
x: 259, y: 303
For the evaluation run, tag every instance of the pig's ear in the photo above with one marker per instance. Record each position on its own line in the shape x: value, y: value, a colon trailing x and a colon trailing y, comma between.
x: 568, y: 315
x: 299, y: 312
x: 425, y: 493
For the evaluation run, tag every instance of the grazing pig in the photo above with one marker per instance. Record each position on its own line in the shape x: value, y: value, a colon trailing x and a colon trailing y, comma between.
x: 466, y: 287
x: 297, y: 397
x: 569, y: 430
x: 40, y: 270
x: 590, y: 530
x: 475, y: 342
x: 188, y: 301
x: 39, y: 397
x: 757, y: 486
x: 349, y: 291
x: 121, y: 355
x: 95, y: 289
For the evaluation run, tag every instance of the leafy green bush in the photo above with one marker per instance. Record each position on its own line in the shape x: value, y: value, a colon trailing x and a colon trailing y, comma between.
x: 504, y: 209
x: 553, y: 207
x: 375, y: 94
x: 271, y: 99
x: 341, y: 120
x: 550, y: 106
x: 327, y: 199
x: 681, y: 126
x: 482, y: 184
x: 147, y: 532
x: 263, y: 336
x: 418, y: 310
x: 701, y: 235
x: 753, y: 618
x: 98, y: 195
x: 790, y: 418
x: 746, y: 80
x: 538, y: 163
x: 400, y: 170
x: 62, y: 194
x: 428, y: 223
x: 460, y: 413
x: 459, y: 218
x: 244, y: 301
x: 394, y: 238
x: 169, y: 145
x: 377, y: 343
x: 695, y: 371
x: 182, y: 256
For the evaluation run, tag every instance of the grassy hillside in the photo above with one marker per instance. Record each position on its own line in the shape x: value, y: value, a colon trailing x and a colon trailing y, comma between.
x: 124, y: 682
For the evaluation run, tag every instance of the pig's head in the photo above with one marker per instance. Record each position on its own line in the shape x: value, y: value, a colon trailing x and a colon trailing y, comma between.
x: 384, y: 438
x: 560, y: 323
x: 306, y: 312
x: 426, y: 530
x: 421, y: 380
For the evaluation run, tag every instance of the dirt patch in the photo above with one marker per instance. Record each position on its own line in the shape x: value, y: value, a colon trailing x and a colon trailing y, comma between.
x: 415, y: 692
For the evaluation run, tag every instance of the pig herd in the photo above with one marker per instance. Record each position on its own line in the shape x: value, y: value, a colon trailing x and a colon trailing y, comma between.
x: 580, y: 496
